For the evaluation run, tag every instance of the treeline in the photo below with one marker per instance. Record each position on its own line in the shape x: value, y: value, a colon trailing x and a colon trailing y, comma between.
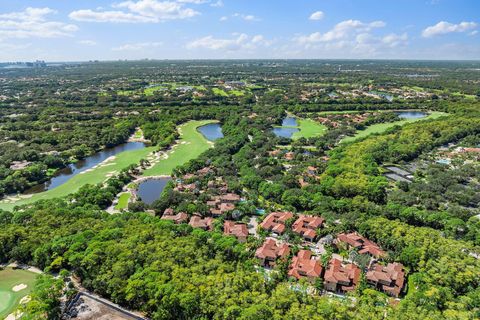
x: 353, y: 169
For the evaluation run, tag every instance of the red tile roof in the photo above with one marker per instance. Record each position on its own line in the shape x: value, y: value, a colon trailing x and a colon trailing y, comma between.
x: 306, y: 226
x: 271, y: 251
x: 303, y: 265
x: 363, y: 245
x: 197, y: 222
x: 341, y: 278
x: 239, y: 230
x: 390, y: 279
x: 180, y: 217
x: 275, y: 221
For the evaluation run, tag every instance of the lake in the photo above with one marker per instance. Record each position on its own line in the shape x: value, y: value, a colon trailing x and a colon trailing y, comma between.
x: 65, y: 174
x: 150, y: 190
x: 411, y: 114
x: 287, y: 129
x: 211, y: 131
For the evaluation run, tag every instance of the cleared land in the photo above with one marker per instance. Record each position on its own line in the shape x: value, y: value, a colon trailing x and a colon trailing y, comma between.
x: 381, y: 127
x: 192, y: 143
x: 308, y: 129
x: 10, y: 278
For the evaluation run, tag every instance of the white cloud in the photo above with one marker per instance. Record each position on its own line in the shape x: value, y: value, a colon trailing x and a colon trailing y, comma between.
x: 444, y: 27
x: 317, y: 15
x: 238, y: 42
x: 137, y: 46
x: 193, y: 1
x: 33, y: 23
x: 142, y: 11
x: 217, y: 4
x: 393, y: 40
x: 342, y: 30
x: 246, y: 17
x: 224, y: 18
x: 87, y: 42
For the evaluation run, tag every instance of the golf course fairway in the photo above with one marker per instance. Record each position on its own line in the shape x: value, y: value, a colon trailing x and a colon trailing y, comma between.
x: 191, y: 144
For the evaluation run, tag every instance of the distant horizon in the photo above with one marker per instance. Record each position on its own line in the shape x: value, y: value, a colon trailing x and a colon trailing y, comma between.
x: 244, y: 59
x: 110, y: 30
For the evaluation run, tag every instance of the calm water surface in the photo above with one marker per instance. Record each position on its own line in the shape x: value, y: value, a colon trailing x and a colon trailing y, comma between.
x: 73, y: 169
x: 285, y: 131
x: 150, y: 190
x: 411, y: 114
x: 212, y: 131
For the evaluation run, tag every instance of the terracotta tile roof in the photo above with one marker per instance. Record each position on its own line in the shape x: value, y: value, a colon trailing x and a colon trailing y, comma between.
x: 363, y: 245
x: 180, y: 217
x: 340, y: 277
x: 230, y: 197
x: 239, y: 230
x: 303, y: 265
x: 197, y: 222
x: 272, y: 251
x: 391, y: 279
x: 306, y: 226
x: 275, y: 221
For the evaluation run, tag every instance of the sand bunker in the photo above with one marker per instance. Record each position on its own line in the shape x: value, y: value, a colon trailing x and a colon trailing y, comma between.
x: 19, y: 287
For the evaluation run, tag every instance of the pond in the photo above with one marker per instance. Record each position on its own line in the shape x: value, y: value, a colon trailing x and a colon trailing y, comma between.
x: 411, y: 114
x: 150, y: 190
x: 73, y: 169
x: 287, y: 129
x: 211, y: 131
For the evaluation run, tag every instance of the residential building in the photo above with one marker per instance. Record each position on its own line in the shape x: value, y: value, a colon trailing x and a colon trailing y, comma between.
x: 270, y: 251
x: 304, y: 265
x: 363, y: 245
x: 341, y: 278
x: 306, y: 226
x: 178, y: 218
x: 198, y: 222
x: 389, y: 279
x: 275, y: 222
x: 239, y: 230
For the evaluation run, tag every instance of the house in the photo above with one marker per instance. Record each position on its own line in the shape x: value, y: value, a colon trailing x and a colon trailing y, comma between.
x: 306, y: 226
x: 389, y: 279
x: 230, y: 198
x: 204, y: 171
x: 275, y: 222
x: 238, y: 230
x: 305, y: 266
x: 341, y: 278
x: 363, y: 245
x: 198, y: 222
x: 186, y: 187
x: 270, y: 251
x: 289, y: 155
x: 178, y: 218
x: 220, y: 205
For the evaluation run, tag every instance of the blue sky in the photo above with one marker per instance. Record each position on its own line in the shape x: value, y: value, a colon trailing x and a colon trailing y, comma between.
x: 68, y: 30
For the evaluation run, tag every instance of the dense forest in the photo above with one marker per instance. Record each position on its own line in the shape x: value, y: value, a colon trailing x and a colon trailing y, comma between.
x: 429, y: 224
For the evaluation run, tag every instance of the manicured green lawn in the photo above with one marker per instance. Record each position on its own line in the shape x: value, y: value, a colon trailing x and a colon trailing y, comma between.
x: 381, y: 127
x: 138, y: 134
x: 192, y: 144
x: 94, y: 176
x: 123, y: 201
x: 308, y: 128
x: 9, y: 278
x: 237, y: 93
x: 219, y: 92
